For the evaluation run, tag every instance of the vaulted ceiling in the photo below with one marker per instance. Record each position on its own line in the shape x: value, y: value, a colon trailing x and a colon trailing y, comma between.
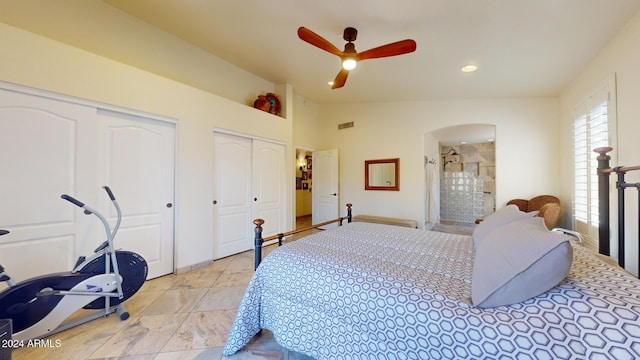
x: 522, y: 48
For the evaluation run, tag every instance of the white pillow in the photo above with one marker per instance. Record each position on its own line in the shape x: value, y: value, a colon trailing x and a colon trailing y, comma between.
x: 518, y: 261
x: 503, y: 216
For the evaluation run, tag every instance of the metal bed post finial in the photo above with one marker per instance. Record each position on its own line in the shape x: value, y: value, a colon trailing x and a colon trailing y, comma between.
x: 604, y: 170
x: 258, y: 241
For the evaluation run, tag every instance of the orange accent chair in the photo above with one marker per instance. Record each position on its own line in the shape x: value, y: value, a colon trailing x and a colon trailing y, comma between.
x: 547, y: 205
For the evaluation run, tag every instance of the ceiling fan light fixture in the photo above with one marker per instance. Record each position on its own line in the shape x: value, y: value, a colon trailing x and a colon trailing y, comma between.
x: 349, y: 63
x: 350, y: 57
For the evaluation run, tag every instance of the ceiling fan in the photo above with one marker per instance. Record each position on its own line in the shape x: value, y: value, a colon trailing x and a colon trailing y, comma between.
x: 350, y: 56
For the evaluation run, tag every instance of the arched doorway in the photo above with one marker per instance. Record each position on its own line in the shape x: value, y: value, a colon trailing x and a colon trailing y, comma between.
x: 459, y: 174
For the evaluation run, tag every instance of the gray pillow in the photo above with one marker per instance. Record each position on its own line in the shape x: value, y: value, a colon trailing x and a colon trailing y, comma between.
x: 503, y: 216
x: 518, y: 261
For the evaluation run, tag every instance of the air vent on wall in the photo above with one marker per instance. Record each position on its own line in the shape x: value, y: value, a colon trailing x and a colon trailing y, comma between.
x: 345, y: 125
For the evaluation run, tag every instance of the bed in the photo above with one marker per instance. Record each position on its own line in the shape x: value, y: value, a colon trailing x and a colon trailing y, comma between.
x: 363, y: 291
x: 369, y: 290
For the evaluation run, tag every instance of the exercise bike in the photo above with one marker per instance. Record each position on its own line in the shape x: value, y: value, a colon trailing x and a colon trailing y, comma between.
x: 39, y: 306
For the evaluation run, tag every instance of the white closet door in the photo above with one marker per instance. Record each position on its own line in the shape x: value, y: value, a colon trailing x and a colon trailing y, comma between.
x: 325, y: 187
x: 269, y: 186
x: 136, y: 157
x: 232, y: 195
x: 40, y: 159
x: 51, y: 145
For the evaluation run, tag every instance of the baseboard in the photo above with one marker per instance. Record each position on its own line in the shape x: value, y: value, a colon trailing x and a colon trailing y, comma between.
x: 186, y: 269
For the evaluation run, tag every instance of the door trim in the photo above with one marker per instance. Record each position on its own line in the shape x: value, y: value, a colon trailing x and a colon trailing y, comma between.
x: 248, y: 136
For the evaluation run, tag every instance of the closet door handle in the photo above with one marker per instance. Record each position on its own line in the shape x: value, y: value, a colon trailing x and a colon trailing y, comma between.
x: 215, y: 202
x: 334, y: 194
x: 255, y: 199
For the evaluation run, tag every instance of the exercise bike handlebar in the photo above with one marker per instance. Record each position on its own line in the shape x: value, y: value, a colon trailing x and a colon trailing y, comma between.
x: 72, y: 200
x: 106, y: 188
x: 110, y: 233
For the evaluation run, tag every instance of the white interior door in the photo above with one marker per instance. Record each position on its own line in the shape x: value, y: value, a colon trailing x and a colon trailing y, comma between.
x: 269, y: 186
x: 136, y: 157
x: 41, y: 158
x: 232, y: 194
x: 325, y: 186
x: 52, y: 145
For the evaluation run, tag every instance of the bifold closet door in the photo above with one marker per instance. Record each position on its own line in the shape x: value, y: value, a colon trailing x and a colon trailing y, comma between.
x: 249, y: 183
x: 232, y: 195
x: 41, y: 158
x: 49, y: 147
x: 269, y: 186
x: 136, y: 157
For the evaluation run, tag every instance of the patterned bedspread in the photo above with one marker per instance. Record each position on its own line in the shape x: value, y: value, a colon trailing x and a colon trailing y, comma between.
x: 370, y: 291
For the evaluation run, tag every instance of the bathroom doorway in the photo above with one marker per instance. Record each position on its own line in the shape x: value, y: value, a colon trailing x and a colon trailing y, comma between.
x: 459, y: 174
x: 304, y: 184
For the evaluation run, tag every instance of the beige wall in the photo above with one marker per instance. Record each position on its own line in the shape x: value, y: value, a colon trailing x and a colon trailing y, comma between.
x: 621, y: 57
x: 527, y: 145
x: 31, y: 60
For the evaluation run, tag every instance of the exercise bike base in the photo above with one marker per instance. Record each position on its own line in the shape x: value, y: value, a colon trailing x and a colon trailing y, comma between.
x: 67, y: 305
x: 66, y: 326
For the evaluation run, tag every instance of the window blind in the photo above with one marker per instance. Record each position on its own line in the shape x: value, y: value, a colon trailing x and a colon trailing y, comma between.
x: 591, y: 129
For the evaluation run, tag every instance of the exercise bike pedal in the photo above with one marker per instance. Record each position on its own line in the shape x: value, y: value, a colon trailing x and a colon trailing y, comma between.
x: 47, y: 292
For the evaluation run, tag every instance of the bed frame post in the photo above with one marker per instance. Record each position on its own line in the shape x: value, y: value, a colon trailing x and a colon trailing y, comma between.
x: 258, y: 242
x: 604, y: 170
x: 620, y: 185
x: 348, y: 215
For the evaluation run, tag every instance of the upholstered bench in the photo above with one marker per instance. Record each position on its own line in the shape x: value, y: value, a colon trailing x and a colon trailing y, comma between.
x: 386, y: 220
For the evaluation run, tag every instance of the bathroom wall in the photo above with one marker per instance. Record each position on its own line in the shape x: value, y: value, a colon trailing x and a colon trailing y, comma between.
x: 467, y: 181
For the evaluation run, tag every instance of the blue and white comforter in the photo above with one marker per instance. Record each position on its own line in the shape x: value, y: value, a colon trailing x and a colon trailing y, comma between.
x: 370, y: 291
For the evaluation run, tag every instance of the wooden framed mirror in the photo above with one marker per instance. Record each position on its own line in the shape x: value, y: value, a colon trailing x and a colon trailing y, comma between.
x: 382, y: 174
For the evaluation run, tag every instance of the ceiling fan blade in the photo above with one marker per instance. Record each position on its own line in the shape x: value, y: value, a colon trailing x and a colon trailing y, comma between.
x: 340, y: 79
x: 318, y: 41
x: 392, y: 49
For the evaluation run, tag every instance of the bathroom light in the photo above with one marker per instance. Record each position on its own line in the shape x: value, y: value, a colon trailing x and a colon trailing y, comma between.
x: 469, y: 68
x: 330, y: 83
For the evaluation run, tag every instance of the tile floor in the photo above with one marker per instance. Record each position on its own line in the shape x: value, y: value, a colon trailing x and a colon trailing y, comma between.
x: 174, y: 317
x: 179, y: 317
x: 455, y: 227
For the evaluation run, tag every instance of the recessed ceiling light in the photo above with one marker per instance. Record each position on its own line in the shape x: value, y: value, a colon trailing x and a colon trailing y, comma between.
x: 469, y: 68
x: 463, y: 142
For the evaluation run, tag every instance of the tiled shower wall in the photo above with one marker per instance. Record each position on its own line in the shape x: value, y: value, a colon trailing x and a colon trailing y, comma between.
x: 466, y: 198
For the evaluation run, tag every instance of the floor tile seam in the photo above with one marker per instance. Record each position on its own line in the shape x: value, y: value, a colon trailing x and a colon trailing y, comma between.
x: 133, y: 319
x: 160, y: 351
